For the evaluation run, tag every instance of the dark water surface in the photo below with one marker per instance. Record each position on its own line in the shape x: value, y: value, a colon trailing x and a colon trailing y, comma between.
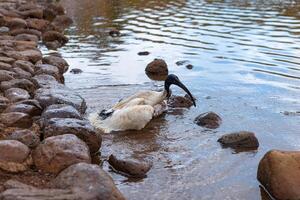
x: 246, y: 57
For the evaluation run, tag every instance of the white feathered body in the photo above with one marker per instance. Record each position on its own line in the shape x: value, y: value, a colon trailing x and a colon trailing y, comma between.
x: 132, y: 113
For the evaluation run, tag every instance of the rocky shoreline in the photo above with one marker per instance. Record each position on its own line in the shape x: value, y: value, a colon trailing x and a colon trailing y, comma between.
x: 47, y: 147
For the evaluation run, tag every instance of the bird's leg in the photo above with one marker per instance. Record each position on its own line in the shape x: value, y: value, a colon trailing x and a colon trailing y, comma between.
x: 160, y: 109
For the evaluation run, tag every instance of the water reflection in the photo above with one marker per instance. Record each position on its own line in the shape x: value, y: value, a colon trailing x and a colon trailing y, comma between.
x: 246, y: 58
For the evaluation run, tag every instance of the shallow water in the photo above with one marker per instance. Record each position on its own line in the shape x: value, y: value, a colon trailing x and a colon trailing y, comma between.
x: 246, y: 57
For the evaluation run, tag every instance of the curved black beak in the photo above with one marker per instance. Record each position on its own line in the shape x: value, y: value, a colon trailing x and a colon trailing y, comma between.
x: 182, y: 86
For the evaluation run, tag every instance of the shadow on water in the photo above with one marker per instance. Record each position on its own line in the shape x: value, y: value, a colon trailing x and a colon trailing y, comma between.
x: 246, y: 59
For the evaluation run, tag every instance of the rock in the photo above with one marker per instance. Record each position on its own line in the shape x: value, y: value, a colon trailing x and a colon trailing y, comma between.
x: 16, y: 119
x: 143, y: 53
x: 27, y: 37
x: 76, y: 71
x: 61, y: 22
x: 279, y: 172
x: 20, y: 73
x: 38, y: 24
x: 54, y: 45
x: 189, y: 66
x: 51, y: 36
x: 25, y: 65
x: 6, y: 75
x: 208, y: 120
x: 59, y: 152
x: 26, y: 31
x: 26, y: 136
x: 32, y: 55
x: 157, y: 66
x: 31, y: 110
x: 57, y: 8
x: 15, y: 156
x: 7, y: 59
x: 81, y: 128
x: 60, y: 111
x: 131, y: 167
x: 179, y: 102
x: 3, y: 103
x: 43, y: 80
x: 90, y: 179
x: 32, y: 13
x: 4, y: 30
x: 60, y: 94
x: 114, y: 32
x: 239, y: 140
x: 59, y: 62
x: 32, y: 102
x: 5, y: 66
x: 16, y: 23
x: 16, y: 94
x: 181, y: 62
x: 49, y: 70
x: 18, y: 83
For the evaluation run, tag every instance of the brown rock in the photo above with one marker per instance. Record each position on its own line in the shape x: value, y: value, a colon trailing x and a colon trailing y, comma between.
x: 31, y: 110
x: 27, y: 37
x: 49, y: 70
x: 240, y: 140
x: 7, y: 59
x: 26, y: 136
x: 179, y: 102
x: 16, y: 23
x: 14, y: 156
x: 90, y: 179
x: 60, y: 111
x: 157, y: 66
x: 38, y: 24
x: 6, y: 75
x: 25, y: 65
x: 131, y: 167
x: 5, y: 66
x: 16, y: 119
x: 32, y: 13
x: 16, y: 94
x: 54, y: 36
x: 15, y: 54
x: 58, y: 8
x: 58, y: 62
x: 59, y: 152
x: 279, y: 173
x: 43, y: 80
x: 25, y: 45
x: 208, y: 120
x: 26, y: 31
x: 61, y: 22
x: 3, y: 103
x: 20, y: 73
x: 81, y: 128
x: 32, y: 55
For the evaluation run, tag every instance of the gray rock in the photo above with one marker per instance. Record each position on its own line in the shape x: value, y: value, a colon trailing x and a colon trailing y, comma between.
x: 59, y: 62
x: 16, y: 94
x: 49, y: 70
x: 60, y: 111
x: 208, y: 120
x: 239, y: 140
x: 76, y: 71
x: 43, y: 80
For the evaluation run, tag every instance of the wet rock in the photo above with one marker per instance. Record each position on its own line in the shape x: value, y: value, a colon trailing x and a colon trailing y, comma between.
x: 62, y: 22
x: 59, y: 62
x: 54, y: 36
x: 32, y: 55
x: 6, y: 75
x: 38, y: 24
x: 31, y: 102
x: 189, y: 66
x: 208, y: 120
x: 16, y: 23
x: 143, y: 53
x: 130, y: 167
x: 16, y: 94
x: 3, y: 103
x: 26, y: 136
x: 26, y: 31
x: 179, y: 102
x: 7, y: 59
x: 18, y: 83
x: 20, y: 73
x: 81, y: 128
x: 239, y: 140
x: 49, y: 70
x: 60, y: 111
x: 76, y: 71
x: 60, y: 94
x: 5, y: 66
x: 43, y: 80
x: 157, y: 66
x: 16, y: 119
x: 181, y: 62
x: 27, y: 37
x: 25, y: 65
x: 59, y: 152
x: 279, y: 173
x: 15, y: 156
x: 90, y: 179
x: 31, y: 110
x: 114, y: 32
x: 54, y: 45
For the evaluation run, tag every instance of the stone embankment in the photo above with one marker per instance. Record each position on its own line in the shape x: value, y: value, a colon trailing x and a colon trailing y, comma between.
x: 43, y: 130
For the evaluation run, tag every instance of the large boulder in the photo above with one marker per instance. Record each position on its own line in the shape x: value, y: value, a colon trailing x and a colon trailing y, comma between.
x: 16, y: 94
x: 157, y: 67
x: 209, y: 120
x: 59, y: 152
x: 15, y: 156
x: 279, y: 173
x: 16, y: 119
x: 60, y: 94
x: 88, y: 178
x: 81, y: 128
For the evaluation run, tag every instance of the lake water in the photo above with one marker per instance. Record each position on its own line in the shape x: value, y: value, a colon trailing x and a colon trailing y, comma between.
x: 246, y: 58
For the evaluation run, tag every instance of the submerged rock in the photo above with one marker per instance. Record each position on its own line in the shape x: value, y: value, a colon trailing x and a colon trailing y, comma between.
x: 131, y: 167
x: 91, y: 179
x: 279, y: 173
x: 81, y: 128
x: 59, y: 152
x: 189, y: 66
x: 181, y: 62
x: 114, y: 32
x: 76, y: 71
x: 179, y: 102
x: 157, y: 66
x: 143, y: 53
x: 208, y: 120
x: 240, y: 140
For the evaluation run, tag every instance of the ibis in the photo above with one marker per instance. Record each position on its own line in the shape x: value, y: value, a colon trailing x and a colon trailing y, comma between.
x: 137, y: 110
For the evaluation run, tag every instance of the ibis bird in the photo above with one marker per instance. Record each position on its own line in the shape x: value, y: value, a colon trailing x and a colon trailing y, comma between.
x: 136, y: 111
